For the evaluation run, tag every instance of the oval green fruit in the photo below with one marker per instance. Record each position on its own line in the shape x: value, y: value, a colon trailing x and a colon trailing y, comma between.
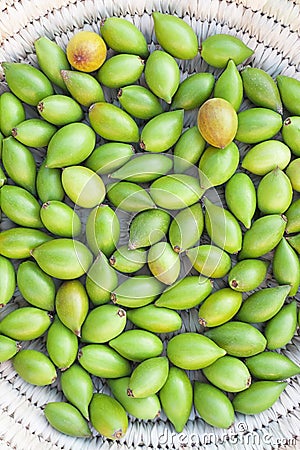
x: 294, y: 241
x: 289, y: 89
x: 19, y: 242
x: 272, y: 366
x: 137, y: 345
x: 12, y: 112
x: 188, y: 149
x: 164, y: 262
x: 229, y: 85
x: 218, y: 49
x: 60, y: 219
x: 148, y: 377
x: 102, y: 230
x: 143, y: 168
x: 128, y: 261
x: 83, y: 186
x: 139, y: 290
x: 219, y: 307
x: 209, y: 260
x: 20, y: 206
x: 281, y: 328
x: 108, y: 416
x: 293, y: 218
x: 247, y: 275
x: 48, y: 184
x: 274, y: 192
x: 266, y: 156
x: 109, y: 157
x: 101, y: 280
x: 120, y: 70
x: 186, y: 228
x: 83, y: 87
x: 34, y: 367
x: 240, y: 195
x: 290, y: 134
x: 257, y: 124
x: 155, y: 319
x: 34, y: 132
x: 194, y: 90
x: 26, y: 323
x: 8, y: 280
x: 67, y: 419
x: 129, y: 196
x: 103, y: 324
x: 60, y: 110
x: 292, y: 172
x: 139, y: 101
x: 8, y: 348
x: 103, y: 361
x: 61, y: 344
x: 286, y: 266
x: 229, y: 374
x: 147, y: 228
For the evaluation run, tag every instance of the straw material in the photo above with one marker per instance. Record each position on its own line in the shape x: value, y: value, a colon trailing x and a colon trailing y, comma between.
x: 271, y: 28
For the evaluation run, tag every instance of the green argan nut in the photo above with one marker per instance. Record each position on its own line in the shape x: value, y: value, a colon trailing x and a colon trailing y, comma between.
x: 8, y: 280
x: 48, y: 184
x: 83, y: 186
x: 147, y: 408
x: 149, y: 345
x: 143, y: 168
x: 219, y: 307
x: 162, y: 75
x: 3, y: 178
x: 213, y: 406
x: 139, y: 102
x: 8, y: 348
x: 34, y: 132
x: 25, y: 324
x: 128, y: 261
x: 290, y: 134
x: 11, y: 112
x: 123, y: 36
x: 112, y: 123
x: 294, y: 241
x: 186, y: 228
x: 155, y: 319
x: 261, y: 89
x: 47, y: 50
x: 193, y: 351
x: 188, y: 149
x: 266, y: 156
x: 176, y: 398
x: 274, y: 192
x: 260, y: 396
x: 263, y: 304
x: 103, y: 324
x: 271, y: 366
x: 217, y: 166
x: 108, y: 416
x: 18, y: 242
x: 257, y: 124
x: 222, y: 227
x: 139, y: 290
x: 229, y: 374
x: 103, y: 361
x: 289, y: 89
x: 36, y: 286
x: 34, y: 367
x: 229, y: 85
x: 72, y: 305
x: 247, y: 275
x: 63, y: 258
x: 109, y: 157
x: 263, y: 236
x: 293, y: 217
x: 19, y: 164
x: 120, y: 70
x: 240, y: 195
x: 292, y: 172
x: 148, y: 377
x: 218, y: 49
x: 193, y: 91
x: 101, y: 280
x: 185, y: 293
x: 238, y: 338
x: 286, y: 266
x: 35, y: 85
x: 129, y: 196
x: 67, y: 419
x: 164, y: 262
x: 147, y: 228
x: 209, y: 260
x: 102, y: 230
x: 60, y: 219
x: 77, y: 387
x: 20, y: 206
x: 61, y: 344
x: 83, y: 87
x: 281, y: 328
x: 60, y: 109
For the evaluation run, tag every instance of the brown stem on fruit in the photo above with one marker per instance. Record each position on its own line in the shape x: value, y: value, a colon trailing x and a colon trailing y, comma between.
x: 130, y: 393
x: 113, y: 297
x: 14, y: 132
x: 234, y: 283
x: 112, y: 260
x: 121, y: 312
x: 119, y: 93
x: 176, y: 249
x: 202, y: 322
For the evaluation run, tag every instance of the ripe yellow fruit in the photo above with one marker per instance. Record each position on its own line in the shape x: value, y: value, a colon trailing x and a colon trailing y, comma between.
x: 86, y: 51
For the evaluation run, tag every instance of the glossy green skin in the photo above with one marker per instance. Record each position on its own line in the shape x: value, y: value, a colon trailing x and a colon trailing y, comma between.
x: 19, y: 163
x: 63, y: 258
x: 281, y: 328
x: 128, y: 261
x: 103, y: 361
x: 120, y: 70
x: 263, y: 304
x: 147, y: 408
x: 289, y: 89
x: 162, y: 75
x: 193, y: 91
x: 26, y: 323
x: 266, y: 156
x: 209, y: 260
x: 229, y: 85
x: 218, y: 49
x: 28, y: 83
x: 77, y: 387
x: 11, y: 112
x: 290, y: 134
x: 148, y: 227
x: 103, y: 324
x: 47, y: 50
x: 292, y: 172
x: 8, y: 280
x: 102, y: 230
x: 109, y: 157
x: 100, y: 281
x: 263, y: 236
x: 34, y: 367
x: 67, y: 419
x: 164, y: 262
x: 294, y: 241
x: 34, y: 132
x: 219, y: 307
x: 60, y: 219
x: 247, y: 275
x: 272, y: 366
x: 139, y: 290
x: 61, y: 344
x: 148, y: 377
x: 176, y: 398
x: 229, y: 374
x: 155, y: 319
x: 19, y: 242
x: 193, y: 351
x: 83, y: 87
x: 188, y: 149
x: 108, y: 416
x: 257, y: 124
x: 274, y: 192
x: 260, y: 396
x: 60, y: 109
x: 48, y: 184
x: 286, y: 266
x: 213, y: 406
x: 186, y: 228
x: 139, y: 102
x: 20, y: 206
x: 8, y: 348
x: 149, y: 345
x: 129, y: 196
x: 123, y: 36
x: 261, y: 89
x: 186, y: 293
x: 293, y: 217
x: 238, y: 338
x: 144, y: 168
x: 112, y: 123
x: 83, y: 186
x: 36, y: 286
x: 240, y: 195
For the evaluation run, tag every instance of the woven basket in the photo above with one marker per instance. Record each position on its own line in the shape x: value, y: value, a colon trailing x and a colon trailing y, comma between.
x: 271, y: 28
